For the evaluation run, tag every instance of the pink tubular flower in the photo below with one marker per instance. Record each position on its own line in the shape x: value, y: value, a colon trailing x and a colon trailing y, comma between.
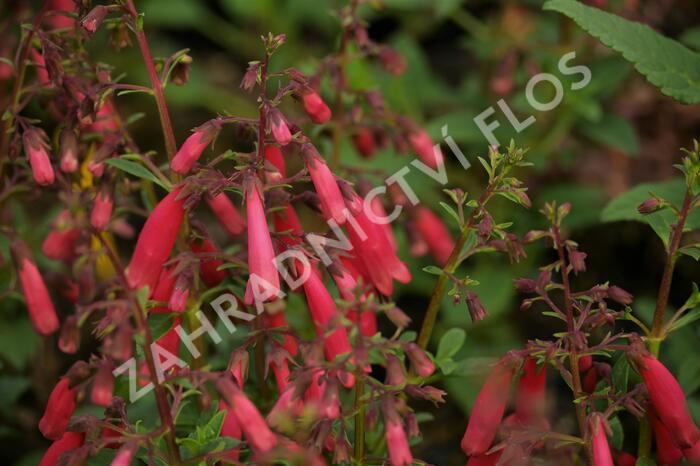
x: 103, y: 386
x: 668, y: 400
x: 278, y: 127
x: 191, y: 150
x: 530, y: 396
x: 324, y: 313
x: 227, y: 214
x: 59, y: 244
x: 40, y: 64
x: 261, y: 254
x: 35, y: 147
x: 435, y: 233
x: 101, y: 211
x: 692, y: 454
x: 363, y: 141
x: 69, y: 441
x: 288, y: 221
x: 125, y: 455
x: 332, y: 201
x: 257, y: 432
x: 667, y: 452
x: 601, y: 450
x: 163, y: 289
x: 399, y: 451
x: 156, y: 240
x: 315, y: 107
x: 178, y: 298
x: 420, y: 361
x: 230, y: 428
x: 69, y: 151
x: 273, y: 154
x: 488, y: 410
x: 60, y: 21
x: 424, y: 147
x: 209, y: 268
x: 58, y: 411
x: 41, y: 309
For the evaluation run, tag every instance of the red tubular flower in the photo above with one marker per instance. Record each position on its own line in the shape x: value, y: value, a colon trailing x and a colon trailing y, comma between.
x: 623, y: 458
x: 231, y: 428
x: 485, y: 460
x: 209, y: 268
x: 41, y: 309
x: 419, y: 360
x: 530, y: 396
x: 156, y: 240
x: 324, y: 313
x: 227, y: 214
x: 261, y: 254
x: 375, y: 258
x: 590, y: 380
x: 40, y: 64
x: 163, y: 289
x: 36, y: 149
x: 273, y: 154
x: 488, y: 410
x: 397, y: 442
x: 315, y: 107
x: 60, y: 243
x: 103, y: 387
x: 288, y: 221
x: 435, y: 233
x: 60, y: 21
x: 257, y: 432
x: 668, y: 400
x: 124, y: 455
x: 667, y: 453
x: 692, y: 455
x: 332, y: 201
x: 178, y: 299
x: 379, y: 211
x: 101, y: 211
x: 58, y: 411
x: 278, y: 319
x: 191, y: 150
x: 364, y: 142
x: 278, y: 127
x: 601, y: 450
x: 424, y: 147
x: 69, y: 441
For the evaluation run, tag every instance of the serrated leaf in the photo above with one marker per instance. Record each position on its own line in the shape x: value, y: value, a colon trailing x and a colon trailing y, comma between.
x: 669, y: 65
x: 137, y: 170
x: 450, y: 343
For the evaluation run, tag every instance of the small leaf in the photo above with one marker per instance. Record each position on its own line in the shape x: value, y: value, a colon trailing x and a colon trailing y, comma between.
x: 433, y: 269
x: 618, y: 434
x: 692, y: 251
x: 450, y: 343
x: 620, y: 373
x: 137, y: 170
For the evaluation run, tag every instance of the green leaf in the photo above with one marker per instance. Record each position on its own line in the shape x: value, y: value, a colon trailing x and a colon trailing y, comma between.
x: 692, y: 251
x: 667, y: 64
x: 450, y: 343
x: 614, y: 131
x: 618, y: 434
x: 137, y: 170
x: 433, y: 270
x: 620, y: 373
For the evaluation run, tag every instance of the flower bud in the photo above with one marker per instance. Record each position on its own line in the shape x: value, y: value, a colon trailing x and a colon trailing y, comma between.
x: 36, y: 149
x: 68, y: 442
x: 525, y: 285
x: 530, y: 396
x: 621, y: 296
x: 423, y: 145
x: 278, y: 127
x: 101, y: 210
x: 69, y: 340
x: 395, y: 375
x: 180, y: 73
x: 396, y: 440
x: 477, y: 312
x: 315, y: 107
x: 649, y: 206
x: 94, y: 18
x: 578, y: 261
x: 332, y: 201
x: 363, y: 140
x: 191, y: 150
x: 209, y: 267
x: 420, y: 361
x: 435, y: 233
x: 103, y: 386
x: 392, y: 61
x: 69, y: 151
x: 227, y: 214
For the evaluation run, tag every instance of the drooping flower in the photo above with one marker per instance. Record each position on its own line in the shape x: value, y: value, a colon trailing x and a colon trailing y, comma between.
x: 36, y: 149
x: 227, y: 214
x: 103, y: 386
x: 332, y: 201
x: 396, y: 439
x: 363, y: 141
x: 257, y: 432
x: 68, y: 442
x: 230, y: 428
x: 261, y: 254
x: 435, y: 234
x: 530, y: 395
x: 668, y: 400
x: 667, y: 452
x: 315, y: 107
x: 424, y: 147
x: 101, y: 210
x: 92, y: 21
x: 278, y: 127
x: 156, y: 241
x: 488, y: 410
x: 209, y: 267
x: 69, y: 151
x: 41, y: 309
x: 58, y: 410
x: 191, y: 150
x: 273, y: 154
x: 601, y: 449
x: 180, y: 295
x: 324, y: 313
x: 60, y: 243
x: 125, y: 455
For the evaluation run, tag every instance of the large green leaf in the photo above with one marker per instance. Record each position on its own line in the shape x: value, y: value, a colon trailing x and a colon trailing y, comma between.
x: 614, y: 131
x: 667, y: 64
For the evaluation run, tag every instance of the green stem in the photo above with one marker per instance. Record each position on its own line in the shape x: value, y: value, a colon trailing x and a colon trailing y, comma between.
x: 359, y: 447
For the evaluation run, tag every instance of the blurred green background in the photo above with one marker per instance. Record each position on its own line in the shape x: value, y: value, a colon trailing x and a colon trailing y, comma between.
x: 463, y: 56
